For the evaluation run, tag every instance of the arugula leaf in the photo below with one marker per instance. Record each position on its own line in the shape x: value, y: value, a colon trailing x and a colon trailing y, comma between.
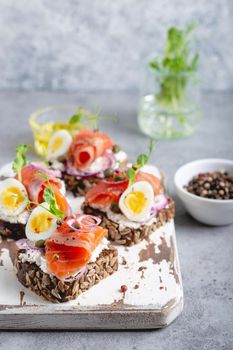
x: 50, y: 199
x: 20, y: 159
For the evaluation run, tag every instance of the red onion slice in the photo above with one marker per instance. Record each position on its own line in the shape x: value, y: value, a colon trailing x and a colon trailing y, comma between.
x: 96, y: 220
x: 70, y: 210
x: 24, y: 243
x: 43, y: 167
x: 85, y: 226
x: 71, y: 170
x: 160, y: 203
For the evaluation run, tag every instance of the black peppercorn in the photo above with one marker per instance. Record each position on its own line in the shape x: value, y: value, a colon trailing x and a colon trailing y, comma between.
x: 216, y: 185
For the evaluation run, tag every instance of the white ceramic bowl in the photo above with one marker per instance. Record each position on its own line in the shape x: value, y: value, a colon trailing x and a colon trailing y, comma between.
x: 214, y: 212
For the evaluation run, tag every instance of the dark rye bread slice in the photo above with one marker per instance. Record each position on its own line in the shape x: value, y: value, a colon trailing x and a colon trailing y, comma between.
x: 58, y: 291
x: 79, y: 187
x: 15, y: 231
x: 130, y: 236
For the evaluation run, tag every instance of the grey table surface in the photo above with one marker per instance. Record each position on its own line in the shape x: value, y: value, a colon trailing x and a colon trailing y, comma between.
x: 206, y: 253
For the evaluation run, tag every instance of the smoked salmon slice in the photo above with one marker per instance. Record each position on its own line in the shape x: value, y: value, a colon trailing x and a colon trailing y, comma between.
x: 61, y: 200
x: 69, y: 249
x: 153, y: 181
x: 35, y: 184
x: 107, y: 192
x: 88, y: 145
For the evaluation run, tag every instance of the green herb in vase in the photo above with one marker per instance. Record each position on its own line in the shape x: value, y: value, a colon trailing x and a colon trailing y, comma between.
x: 169, y: 113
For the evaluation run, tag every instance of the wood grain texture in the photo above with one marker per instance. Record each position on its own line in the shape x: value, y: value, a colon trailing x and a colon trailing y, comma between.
x: 94, y: 318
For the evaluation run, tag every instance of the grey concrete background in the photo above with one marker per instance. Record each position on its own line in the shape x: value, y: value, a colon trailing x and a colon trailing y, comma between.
x: 95, y: 45
x: 206, y: 253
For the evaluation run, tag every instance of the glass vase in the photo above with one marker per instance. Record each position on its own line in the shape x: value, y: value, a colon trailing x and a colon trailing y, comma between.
x: 169, y: 106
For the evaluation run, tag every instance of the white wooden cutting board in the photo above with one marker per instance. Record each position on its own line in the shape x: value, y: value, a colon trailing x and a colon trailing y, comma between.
x: 154, y: 297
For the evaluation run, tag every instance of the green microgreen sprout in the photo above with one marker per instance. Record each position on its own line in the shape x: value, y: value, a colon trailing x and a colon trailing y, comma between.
x: 142, y: 160
x: 49, y: 197
x: 93, y: 118
x: 176, y: 67
x: 20, y: 160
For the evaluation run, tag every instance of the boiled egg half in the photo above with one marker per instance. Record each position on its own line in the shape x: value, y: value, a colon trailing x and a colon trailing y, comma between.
x: 59, y: 144
x: 137, y: 201
x: 41, y: 223
x: 13, y: 197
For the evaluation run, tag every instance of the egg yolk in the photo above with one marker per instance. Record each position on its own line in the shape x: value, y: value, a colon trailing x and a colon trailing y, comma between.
x: 56, y: 144
x: 135, y: 201
x: 12, y: 198
x: 41, y: 223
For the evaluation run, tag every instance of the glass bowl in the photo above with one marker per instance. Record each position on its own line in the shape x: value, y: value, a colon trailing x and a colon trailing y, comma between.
x: 45, y: 121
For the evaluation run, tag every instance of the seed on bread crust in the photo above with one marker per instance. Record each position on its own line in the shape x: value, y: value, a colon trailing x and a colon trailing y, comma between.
x: 58, y: 291
x: 129, y: 236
